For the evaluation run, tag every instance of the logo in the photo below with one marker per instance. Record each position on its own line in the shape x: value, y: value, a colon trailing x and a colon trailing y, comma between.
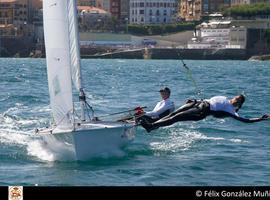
x: 15, y: 193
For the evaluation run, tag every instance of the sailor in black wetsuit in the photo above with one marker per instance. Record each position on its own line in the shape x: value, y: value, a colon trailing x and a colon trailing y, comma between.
x: 195, y: 110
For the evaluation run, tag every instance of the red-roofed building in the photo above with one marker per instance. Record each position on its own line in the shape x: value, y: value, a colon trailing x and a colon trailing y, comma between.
x: 91, y: 10
x: 92, y: 17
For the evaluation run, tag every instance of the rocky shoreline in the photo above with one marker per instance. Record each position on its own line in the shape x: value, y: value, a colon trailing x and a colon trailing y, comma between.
x: 260, y: 58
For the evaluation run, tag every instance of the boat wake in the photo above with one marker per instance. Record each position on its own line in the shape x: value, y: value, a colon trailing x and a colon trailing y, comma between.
x: 18, y: 132
x: 181, y: 139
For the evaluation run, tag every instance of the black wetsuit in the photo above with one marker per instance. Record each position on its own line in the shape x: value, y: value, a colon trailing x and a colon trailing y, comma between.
x: 192, y: 111
x: 151, y: 119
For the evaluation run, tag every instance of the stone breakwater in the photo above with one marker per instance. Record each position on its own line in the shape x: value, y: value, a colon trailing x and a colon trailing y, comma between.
x: 261, y: 57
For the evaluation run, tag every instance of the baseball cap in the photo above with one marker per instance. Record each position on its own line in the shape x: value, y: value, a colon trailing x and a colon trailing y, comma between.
x: 166, y: 89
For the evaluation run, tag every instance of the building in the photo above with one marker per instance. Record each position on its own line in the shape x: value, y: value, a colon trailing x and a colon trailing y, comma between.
x: 216, y: 5
x: 92, y: 18
x: 124, y: 10
x: 86, y: 2
x: 238, y: 38
x: 103, y: 4
x: 34, y: 7
x: 14, y: 17
x: 36, y: 4
x: 219, y: 35
x: 152, y: 11
x: 14, y: 11
x: 115, y: 8
x: 191, y: 10
x: 7, y: 12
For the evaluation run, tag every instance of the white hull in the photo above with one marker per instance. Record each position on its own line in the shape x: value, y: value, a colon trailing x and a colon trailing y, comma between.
x: 97, y: 139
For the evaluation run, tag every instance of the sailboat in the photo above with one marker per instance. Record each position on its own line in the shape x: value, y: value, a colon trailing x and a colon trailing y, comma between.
x: 82, y: 137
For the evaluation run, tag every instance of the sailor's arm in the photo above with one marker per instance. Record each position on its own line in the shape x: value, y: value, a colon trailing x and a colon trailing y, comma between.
x: 159, y: 109
x: 251, y: 120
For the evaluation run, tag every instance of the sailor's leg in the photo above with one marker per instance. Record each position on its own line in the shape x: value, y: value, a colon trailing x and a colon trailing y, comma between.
x: 145, y: 118
x: 181, y: 109
x: 193, y: 114
x: 185, y: 107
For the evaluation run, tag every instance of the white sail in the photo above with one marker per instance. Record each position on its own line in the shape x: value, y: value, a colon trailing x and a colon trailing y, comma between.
x: 74, y: 44
x: 56, y: 32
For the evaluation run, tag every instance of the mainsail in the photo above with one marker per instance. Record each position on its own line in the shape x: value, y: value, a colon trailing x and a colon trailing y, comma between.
x: 57, y: 37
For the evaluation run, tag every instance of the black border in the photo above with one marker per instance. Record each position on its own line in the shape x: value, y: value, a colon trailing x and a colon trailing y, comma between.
x: 129, y: 192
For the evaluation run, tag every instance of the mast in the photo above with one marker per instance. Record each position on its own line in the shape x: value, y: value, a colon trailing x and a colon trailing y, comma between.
x: 75, y: 54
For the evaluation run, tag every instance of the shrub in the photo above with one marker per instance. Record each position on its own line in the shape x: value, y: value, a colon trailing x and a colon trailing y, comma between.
x: 252, y: 10
x: 160, y: 29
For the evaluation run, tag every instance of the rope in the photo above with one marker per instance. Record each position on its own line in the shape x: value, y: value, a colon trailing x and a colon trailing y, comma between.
x: 117, y: 113
x: 198, y: 92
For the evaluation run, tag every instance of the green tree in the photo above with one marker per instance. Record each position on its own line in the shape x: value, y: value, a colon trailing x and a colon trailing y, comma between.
x: 252, y: 10
x: 160, y: 29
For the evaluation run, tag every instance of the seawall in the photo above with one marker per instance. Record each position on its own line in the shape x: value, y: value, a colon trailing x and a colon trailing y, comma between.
x: 16, y: 46
x: 170, y: 53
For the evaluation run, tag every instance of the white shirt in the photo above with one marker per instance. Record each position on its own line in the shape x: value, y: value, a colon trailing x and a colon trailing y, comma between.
x: 221, y: 103
x: 161, y: 107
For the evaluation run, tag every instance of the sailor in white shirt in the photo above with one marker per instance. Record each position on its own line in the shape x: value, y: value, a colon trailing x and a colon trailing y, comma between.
x: 195, y: 110
x: 162, y: 109
x: 222, y: 103
x: 164, y: 105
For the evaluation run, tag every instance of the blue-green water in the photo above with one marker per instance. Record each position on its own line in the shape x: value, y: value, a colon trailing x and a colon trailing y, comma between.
x: 209, y: 152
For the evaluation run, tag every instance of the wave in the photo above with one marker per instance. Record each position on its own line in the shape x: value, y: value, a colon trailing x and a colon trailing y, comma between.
x: 18, y: 131
x: 180, y: 139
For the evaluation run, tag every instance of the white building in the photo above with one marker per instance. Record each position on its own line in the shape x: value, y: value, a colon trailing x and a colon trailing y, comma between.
x: 152, y: 11
x: 238, y: 38
x: 219, y: 35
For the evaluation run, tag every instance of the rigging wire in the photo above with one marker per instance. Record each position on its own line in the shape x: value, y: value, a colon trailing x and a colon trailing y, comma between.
x: 91, y: 109
x: 87, y: 106
x: 198, y: 92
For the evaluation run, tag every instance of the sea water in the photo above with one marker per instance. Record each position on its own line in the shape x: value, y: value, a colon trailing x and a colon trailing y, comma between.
x: 209, y: 152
